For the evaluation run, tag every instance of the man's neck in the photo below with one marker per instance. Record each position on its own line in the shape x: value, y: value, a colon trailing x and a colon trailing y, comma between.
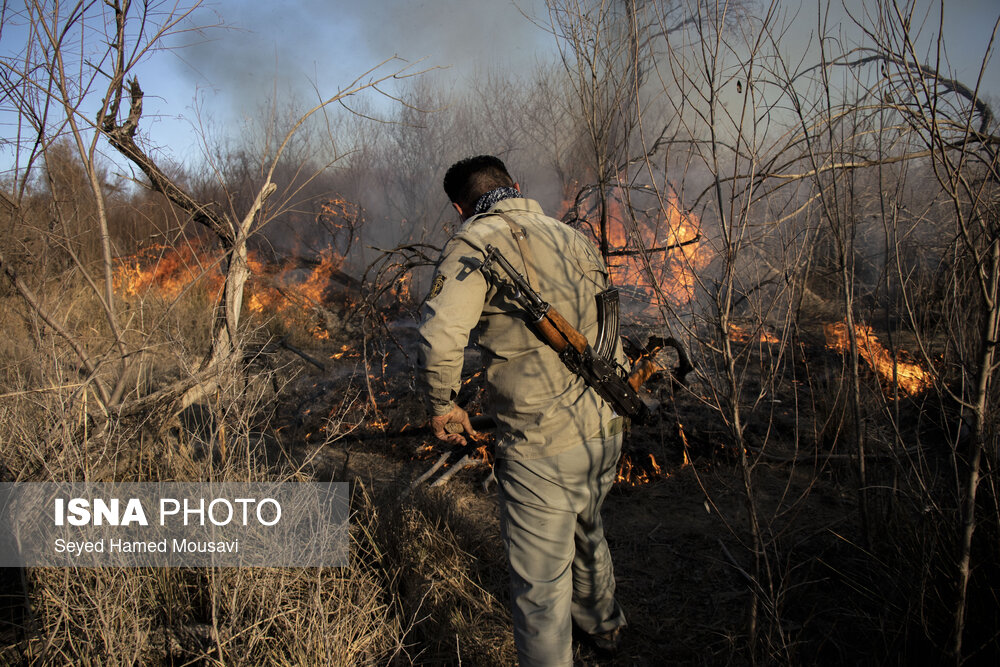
x: 494, y: 197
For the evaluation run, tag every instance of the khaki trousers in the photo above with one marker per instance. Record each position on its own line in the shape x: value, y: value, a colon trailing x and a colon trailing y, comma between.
x: 559, y: 561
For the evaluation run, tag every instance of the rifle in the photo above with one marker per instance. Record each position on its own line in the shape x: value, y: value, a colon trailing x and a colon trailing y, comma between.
x: 612, y: 383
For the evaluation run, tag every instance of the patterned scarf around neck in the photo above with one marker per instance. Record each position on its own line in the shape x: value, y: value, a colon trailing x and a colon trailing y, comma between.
x: 494, y: 197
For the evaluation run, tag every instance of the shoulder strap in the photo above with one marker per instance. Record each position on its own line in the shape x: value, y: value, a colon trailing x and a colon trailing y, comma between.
x: 520, y: 235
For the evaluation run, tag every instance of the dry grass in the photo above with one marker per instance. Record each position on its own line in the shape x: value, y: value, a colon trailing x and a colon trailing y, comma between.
x: 49, y: 431
x: 447, y: 559
x: 206, y: 616
x: 210, y: 616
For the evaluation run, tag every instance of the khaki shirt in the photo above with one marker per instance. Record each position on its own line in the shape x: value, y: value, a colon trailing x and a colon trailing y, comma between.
x: 540, y: 406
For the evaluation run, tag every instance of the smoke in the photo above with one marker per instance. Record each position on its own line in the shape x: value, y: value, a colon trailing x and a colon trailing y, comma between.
x: 305, y: 48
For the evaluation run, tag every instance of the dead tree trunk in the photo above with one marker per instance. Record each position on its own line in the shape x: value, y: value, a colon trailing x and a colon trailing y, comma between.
x: 232, y: 235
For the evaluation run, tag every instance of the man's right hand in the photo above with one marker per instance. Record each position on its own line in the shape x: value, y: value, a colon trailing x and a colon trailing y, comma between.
x: 454, y: 416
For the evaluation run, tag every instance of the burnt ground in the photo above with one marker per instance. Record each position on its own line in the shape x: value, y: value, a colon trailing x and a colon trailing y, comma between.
x: 680, y: 541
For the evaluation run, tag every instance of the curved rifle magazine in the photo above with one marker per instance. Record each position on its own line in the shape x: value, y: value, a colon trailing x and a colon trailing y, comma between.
x: 607, y: 323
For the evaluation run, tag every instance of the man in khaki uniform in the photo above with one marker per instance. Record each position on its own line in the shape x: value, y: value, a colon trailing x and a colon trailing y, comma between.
x: 558, y: 442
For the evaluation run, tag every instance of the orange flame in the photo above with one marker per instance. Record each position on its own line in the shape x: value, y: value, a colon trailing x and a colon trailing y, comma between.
x: 674, y: 251
x: 637, y: 474
x: 169, y: 270
x: 669, y: 244
x: 278, y: 290
x: 281, y: 290
x: 910, y: 376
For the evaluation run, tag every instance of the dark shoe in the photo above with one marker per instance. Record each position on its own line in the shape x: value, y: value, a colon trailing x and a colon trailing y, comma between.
x: 607, y: 642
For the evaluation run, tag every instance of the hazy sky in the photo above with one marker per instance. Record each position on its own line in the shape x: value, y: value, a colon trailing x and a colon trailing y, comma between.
x: 299, y: 47
x: 313, y: 47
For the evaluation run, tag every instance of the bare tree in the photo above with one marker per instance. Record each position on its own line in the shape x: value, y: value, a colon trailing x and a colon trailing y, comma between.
x: 907, y: 108
x: 957, y: 131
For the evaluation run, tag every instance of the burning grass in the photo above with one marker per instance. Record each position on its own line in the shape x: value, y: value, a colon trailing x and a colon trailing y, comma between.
x: 169, y: 270
x: 909, y: 375
x: 749, y: 334
x: 294, y: 294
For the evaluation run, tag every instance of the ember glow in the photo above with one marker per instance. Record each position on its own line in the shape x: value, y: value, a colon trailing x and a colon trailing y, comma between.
x: 738, y: 334
x: 430, y: 449
x: 344, y: 350
x: 911, y: 377
x: 401, y: 288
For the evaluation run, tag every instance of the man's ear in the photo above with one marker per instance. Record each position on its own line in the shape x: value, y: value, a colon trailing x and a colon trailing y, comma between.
x: 517, y: 187
x: 458, y: 208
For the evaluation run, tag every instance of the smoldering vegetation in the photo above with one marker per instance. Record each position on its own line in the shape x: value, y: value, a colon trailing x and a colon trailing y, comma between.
x: 809, y: 249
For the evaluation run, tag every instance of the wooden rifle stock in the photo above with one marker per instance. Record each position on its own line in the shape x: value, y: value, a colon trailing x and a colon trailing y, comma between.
x: 559, y: 333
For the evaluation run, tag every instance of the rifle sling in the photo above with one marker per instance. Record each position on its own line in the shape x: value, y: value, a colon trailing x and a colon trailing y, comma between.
x: 527, y: 259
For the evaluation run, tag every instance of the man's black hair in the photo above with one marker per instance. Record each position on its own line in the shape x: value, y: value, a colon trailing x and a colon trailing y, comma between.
x: 469, y: 179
